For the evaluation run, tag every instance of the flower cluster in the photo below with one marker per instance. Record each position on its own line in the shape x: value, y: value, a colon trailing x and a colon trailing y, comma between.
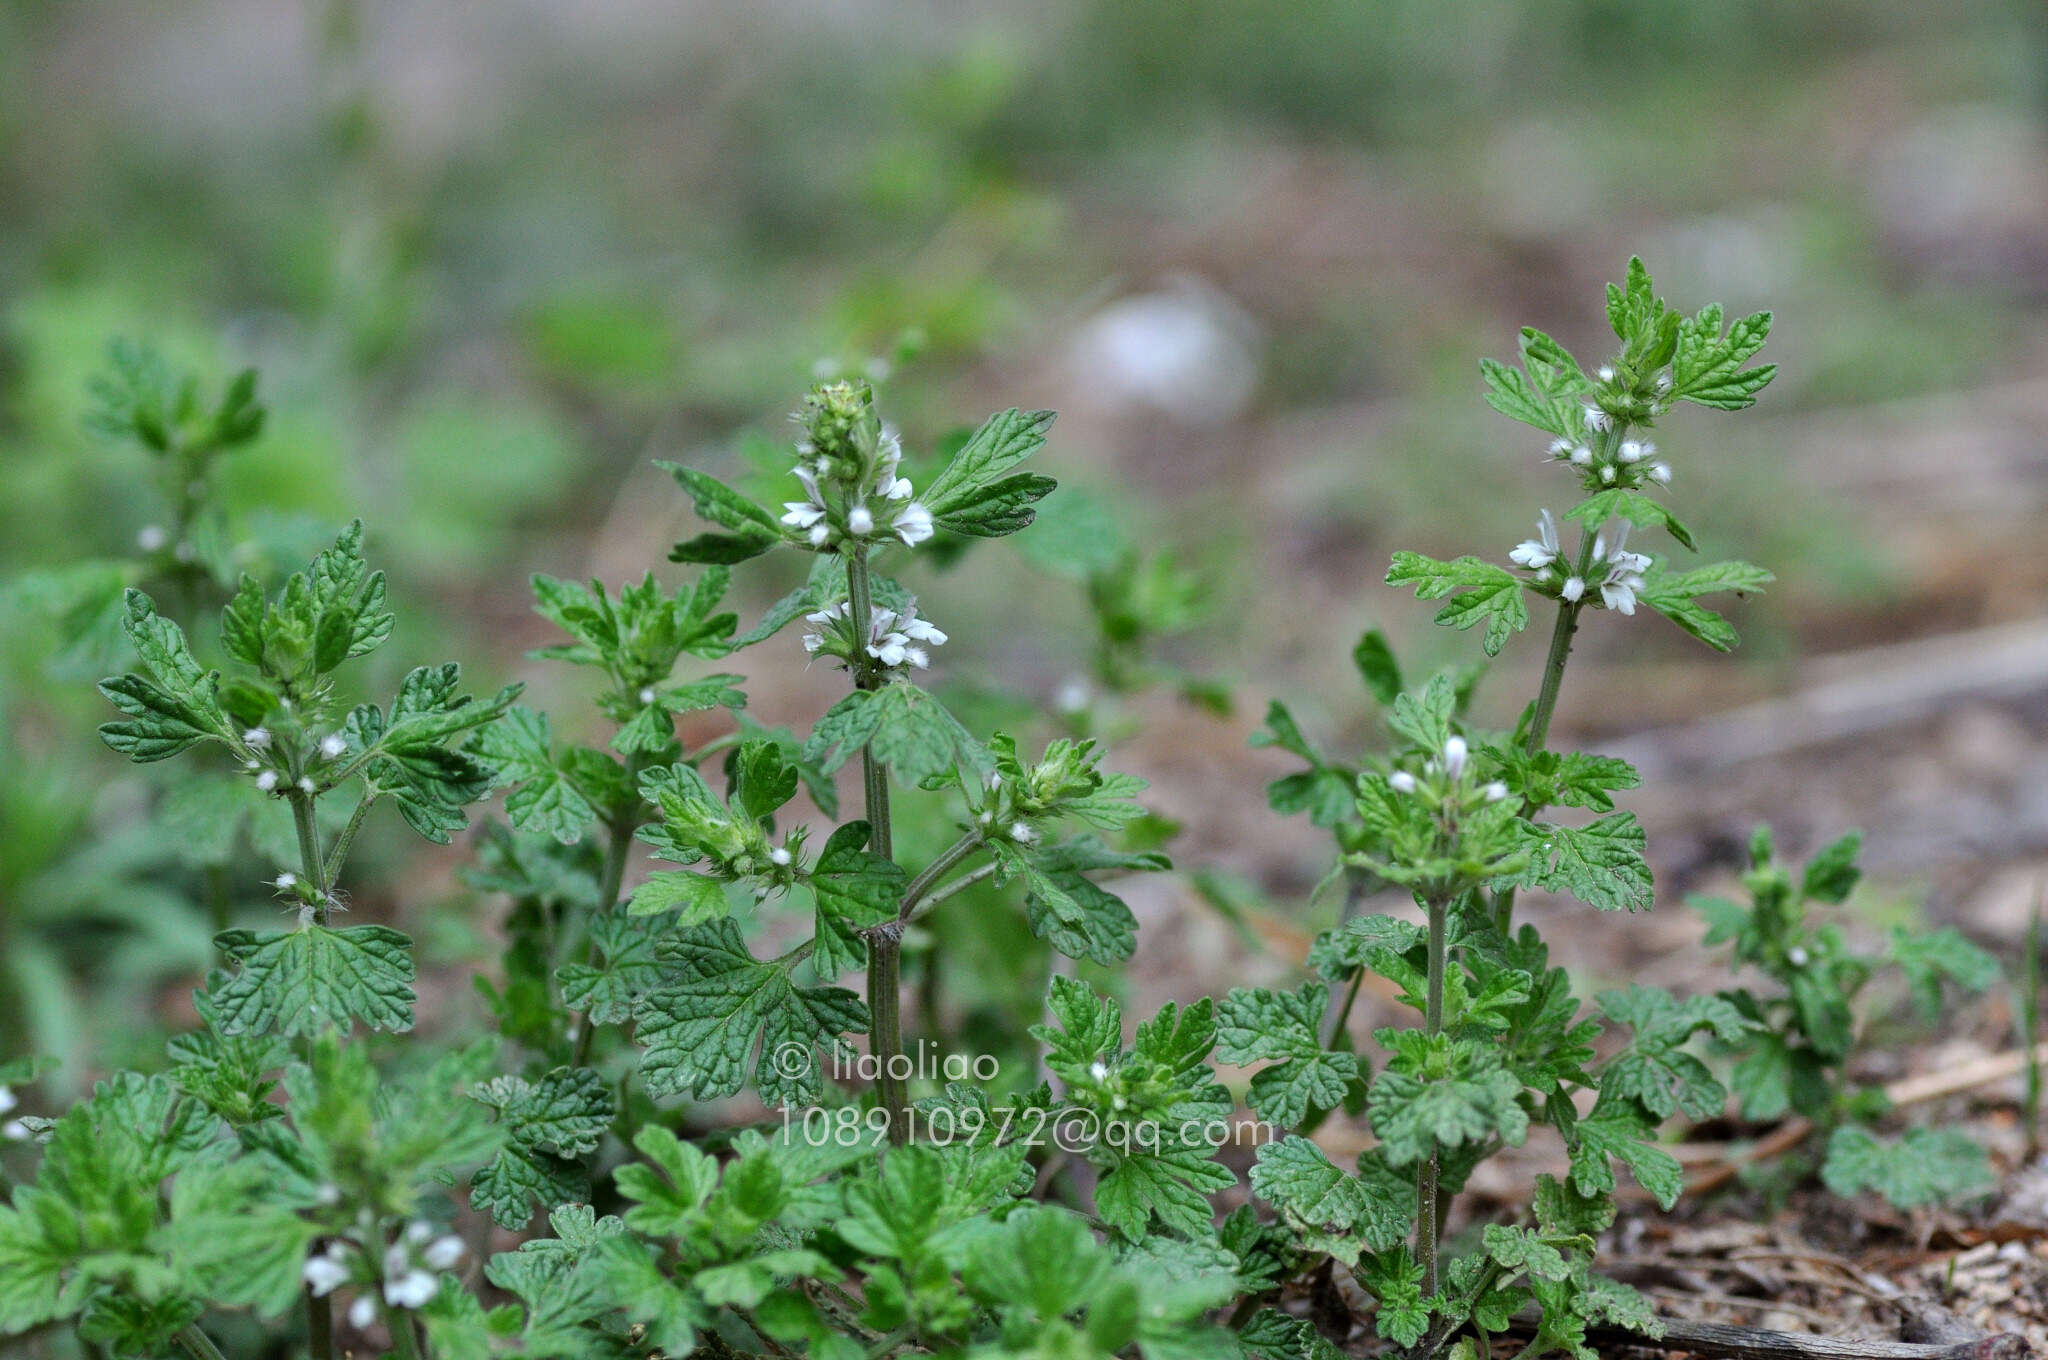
x: 1448, y: 779
x: 1617, y: 573
x: 895, y: 641
x: 264, y: 758
x: 850, y: 470
x: 1609, y: 462
x: 410, y: 1276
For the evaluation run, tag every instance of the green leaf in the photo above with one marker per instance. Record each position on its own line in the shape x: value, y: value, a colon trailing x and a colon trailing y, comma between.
x: 701, y: 1034
x: 1482, y: 592
x: 1424, y: 716
x: 1925, y: 1166
x: 1441, y: 1092
x: 1395, y: 1279
x: 551, y: 1122
x: 1655, y: 1070
x: 700, y: 898
x: 903, y: 726
x: 1614, y: 1133
x: 1633, y: 506
x: 1003, y: 441
x: 1281, y: 1028
x: 1831, y: 875
x: 312, y: 979
x: 607, y: 990
x: 1601, y: 863
x: 1675, y: 595
x: 998, y: 508
x: 545, y: 800
x: 1374, y: 658
x: 1333, y: 1212
x: 755, y: 530
x: 1707, y: 367
x: 851, y: 883
x: 176, y: 706
x: 1929, y: 957
x: 1173, y: 1186
x: 1514, y: 396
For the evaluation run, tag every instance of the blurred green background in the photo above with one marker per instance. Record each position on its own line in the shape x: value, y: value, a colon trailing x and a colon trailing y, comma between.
x: 492, y: 259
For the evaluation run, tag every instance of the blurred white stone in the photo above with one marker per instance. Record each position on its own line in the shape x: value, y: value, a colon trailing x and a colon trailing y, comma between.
x: 1186, y: 351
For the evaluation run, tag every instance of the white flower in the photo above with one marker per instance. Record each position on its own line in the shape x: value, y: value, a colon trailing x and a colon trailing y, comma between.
x: 913, y: 524
x: 256, y: 738
x: 152, y: 538
x: 324, y: 1274
x: 15, y: 1131
x: 1607, y: 474
x: 820, y: 535
x: 1099, y: 1070
x: 1607, y: 373
x: 1560, y: 448
x: 1455, y: 752
x: 1631, y: 451
x: 1663, y: 382
x: 1022, y: 834
x: 329, y: 1194
x: 1596, y: 419
x: 1797, y: 956
x: 919, y: 630
x: 397, y: 1260
x: 1495, y: 791
x: 285, y: 881
x: 1573, y: 588
x: 418, y: 1231
x: 267, y: 780
x: 1540, y: 551
x: 443, y: 1252
x: 801, y: 514
x: 363, y: 1312
x: 1582, y: 456
x: 1073, y: 696
x: 333, y: 744
x: 780, y: 857
x: 861, y: 521
x: 8, y: 1100
x: 1660, y: 473
x: 306, y: 784
x: 1400, y: 781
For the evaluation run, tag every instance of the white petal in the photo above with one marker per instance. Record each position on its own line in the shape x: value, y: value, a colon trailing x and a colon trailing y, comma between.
x: 1573, y: 589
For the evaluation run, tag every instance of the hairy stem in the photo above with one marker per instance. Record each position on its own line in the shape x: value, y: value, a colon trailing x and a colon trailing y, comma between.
x: 337, y: 853
x: 1428, y: 1224
x: 310, y: 862
x: 885, y: 946
x: 198, y: 1344
x: 937, y: 869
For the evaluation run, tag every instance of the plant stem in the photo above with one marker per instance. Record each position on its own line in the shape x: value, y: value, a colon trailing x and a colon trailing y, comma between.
x: 337, y: 853
x: 310, y: 862
x: 616, y: 852
x: 319, y: 1326
x: 1538, y: 735
x: 885, y: 946
x: 404, y: 1343
x: 959, y: 884
x: 198, y: 1344
x: 933, y: 872
x: 1428, y: 1227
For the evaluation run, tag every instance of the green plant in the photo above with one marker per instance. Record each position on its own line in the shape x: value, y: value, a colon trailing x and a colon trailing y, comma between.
x: 1454, y: 814
x: 674, y: 1081
x: 1792, y: 1060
